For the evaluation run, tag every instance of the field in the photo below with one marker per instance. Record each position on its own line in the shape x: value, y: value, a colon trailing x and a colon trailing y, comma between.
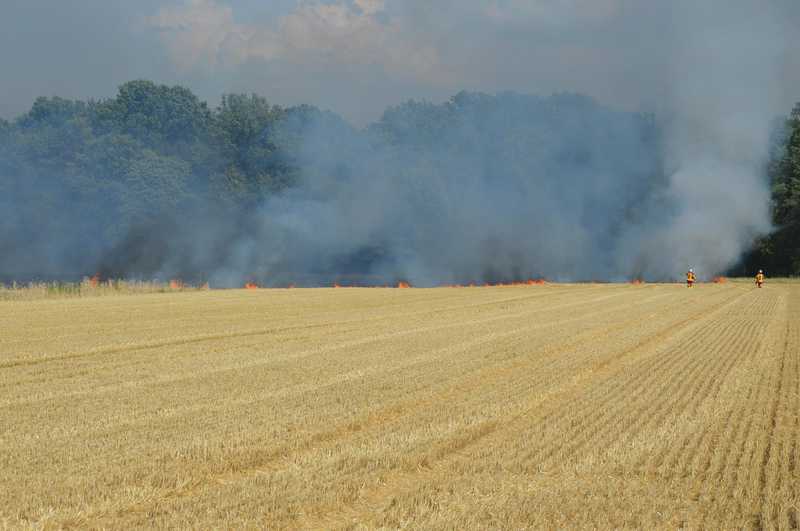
x: 508, y: 407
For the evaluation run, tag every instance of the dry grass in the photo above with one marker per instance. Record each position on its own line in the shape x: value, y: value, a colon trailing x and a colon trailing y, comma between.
x: 88, y: 288
x: 525, y: 407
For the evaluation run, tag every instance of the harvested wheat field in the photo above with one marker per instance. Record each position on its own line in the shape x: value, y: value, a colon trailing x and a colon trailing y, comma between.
x: 507, y: 407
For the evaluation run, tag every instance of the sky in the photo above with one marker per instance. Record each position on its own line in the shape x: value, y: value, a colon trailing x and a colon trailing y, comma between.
x: 356, y: 57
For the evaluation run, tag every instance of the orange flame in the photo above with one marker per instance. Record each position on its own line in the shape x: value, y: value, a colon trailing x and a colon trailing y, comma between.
x: 720, y: 280
x: 95, y: 280
x: 251, y: 285
x: 336, y: 285
x: 511, y: 284
x: 637, y: 281
x: 175, y: 284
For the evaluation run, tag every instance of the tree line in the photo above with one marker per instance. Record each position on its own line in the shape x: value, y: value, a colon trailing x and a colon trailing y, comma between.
x: 79, y: 178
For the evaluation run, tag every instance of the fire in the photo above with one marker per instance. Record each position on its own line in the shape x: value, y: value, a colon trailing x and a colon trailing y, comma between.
x: 175, y: 284
x: 535, y: 282
x: 336, y: 285
x: 95, y: 280
x: 637, y: 281
x: 402, y: 284
x: 251, y: 285
x: 290, y: 286
x: 720, y: 280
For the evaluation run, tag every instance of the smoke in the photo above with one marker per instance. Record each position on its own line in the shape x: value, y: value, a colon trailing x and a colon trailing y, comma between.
x: 509, y: 190
x: 725, y: 89
x: 480, y: 188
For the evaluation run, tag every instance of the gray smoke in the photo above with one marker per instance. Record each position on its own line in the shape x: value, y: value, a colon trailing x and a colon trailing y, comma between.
x: 724, y: 72
x: 499, y: 196
x: 519, y: 204
x: 481, y: 188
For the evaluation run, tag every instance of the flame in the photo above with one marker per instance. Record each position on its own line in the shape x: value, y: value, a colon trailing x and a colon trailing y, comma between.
x: 95, y: 280
x: 175, y: 284
x: 719, y: 280
x: 402, y: 284
x: 536, y: 282
x: 637, y: 281
x: 205, y: 286
x: 336, y: 285
x: 290, y: 286
x: 251, y: 285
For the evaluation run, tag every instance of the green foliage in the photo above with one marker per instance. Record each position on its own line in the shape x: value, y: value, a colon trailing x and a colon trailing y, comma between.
x: 91, y: 171
x: 787, y: 181
x: 780, y: 251
x: 243, y: 125
x: 166, y: 136
x: 51, y: 112
x: 156, y: 115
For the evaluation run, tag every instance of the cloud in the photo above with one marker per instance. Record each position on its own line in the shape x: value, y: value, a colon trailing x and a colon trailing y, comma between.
x: 553, y: 13
x: 203, y: 34
x: 359, y: 56
x: 370, y: 7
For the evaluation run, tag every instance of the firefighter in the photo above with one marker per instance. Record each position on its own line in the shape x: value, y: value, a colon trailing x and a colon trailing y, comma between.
x: 690, y: 278
x: 760, y: 278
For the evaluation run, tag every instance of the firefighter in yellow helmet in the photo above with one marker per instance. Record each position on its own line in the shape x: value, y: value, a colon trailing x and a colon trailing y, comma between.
x: 760, y: 278
x: 690, y: 278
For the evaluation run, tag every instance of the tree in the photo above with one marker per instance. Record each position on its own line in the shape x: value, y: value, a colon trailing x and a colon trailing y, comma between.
x: 786, y: 199
x: 245, y: 127
x: 52, y: 112
x: 779, y: 252
x: 786, y: 182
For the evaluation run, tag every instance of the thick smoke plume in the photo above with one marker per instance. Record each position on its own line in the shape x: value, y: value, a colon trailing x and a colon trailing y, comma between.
x: 501, y: 196
x: 484, y: 188
x: 481, y: 189
x: 724, y: 76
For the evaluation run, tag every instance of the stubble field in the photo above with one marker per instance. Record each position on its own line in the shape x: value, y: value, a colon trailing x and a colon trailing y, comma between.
x: 509, y: 407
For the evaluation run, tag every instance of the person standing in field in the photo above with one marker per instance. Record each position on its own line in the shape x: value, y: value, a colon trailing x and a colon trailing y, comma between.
x: 760, y: 278
x: 690, y: 278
